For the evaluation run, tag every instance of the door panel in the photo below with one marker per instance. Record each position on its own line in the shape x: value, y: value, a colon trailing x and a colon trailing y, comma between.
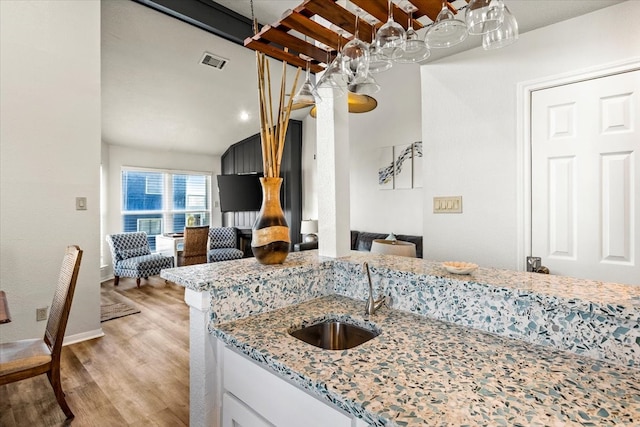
x: 562, y: 199
x: 617, y: 214
x: 585, y: 153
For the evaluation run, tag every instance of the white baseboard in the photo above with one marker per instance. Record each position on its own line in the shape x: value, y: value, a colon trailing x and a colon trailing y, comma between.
x: 84, y: 336
x: 105, y: 275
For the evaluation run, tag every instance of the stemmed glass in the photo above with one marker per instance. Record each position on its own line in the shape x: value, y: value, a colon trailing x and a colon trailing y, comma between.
x: 391, y: 35
x: 378, y: 62
x: 334, y: 77
x: 503, y: 36
x: 483, y: 16
x: 446, y: 30
x: 307, y: 94
x: 355, y: 56
x: 415, y: 49
x: 364, y: 85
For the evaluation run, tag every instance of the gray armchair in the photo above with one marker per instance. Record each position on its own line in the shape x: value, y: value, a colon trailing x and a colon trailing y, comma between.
x: 132, y: 257
x: 223, y: 244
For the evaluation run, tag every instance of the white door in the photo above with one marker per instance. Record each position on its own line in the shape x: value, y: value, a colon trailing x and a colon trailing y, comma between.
x: 585, y: 179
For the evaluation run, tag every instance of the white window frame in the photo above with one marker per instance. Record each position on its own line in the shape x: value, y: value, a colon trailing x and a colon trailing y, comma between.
x: 167, y: 212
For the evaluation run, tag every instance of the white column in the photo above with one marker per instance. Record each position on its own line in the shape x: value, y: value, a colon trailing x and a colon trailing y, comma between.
x: 333, y: 175
x: 205, y: 379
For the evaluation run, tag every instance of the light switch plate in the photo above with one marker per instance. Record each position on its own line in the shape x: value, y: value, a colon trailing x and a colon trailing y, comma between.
x: 448, y: 204
x: 81, y: 203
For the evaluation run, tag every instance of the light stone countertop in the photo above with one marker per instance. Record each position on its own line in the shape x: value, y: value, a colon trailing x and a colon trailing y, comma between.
x: 210, y: 276
x: 421, y: 371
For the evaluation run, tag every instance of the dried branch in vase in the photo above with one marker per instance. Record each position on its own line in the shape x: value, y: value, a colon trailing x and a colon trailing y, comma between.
x: 273, y: 133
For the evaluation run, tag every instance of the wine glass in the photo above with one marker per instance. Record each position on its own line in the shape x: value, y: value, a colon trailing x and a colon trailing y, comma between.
x: 390, y: 36
x: 334, y: 77
x: 364, y: 84
x: 503, y: 36
x: 446, y: 30
x: 378, y: 62
x: 415, y: 49
x: 355, y: 56
x: 307, y: 94
x: 483, y: 16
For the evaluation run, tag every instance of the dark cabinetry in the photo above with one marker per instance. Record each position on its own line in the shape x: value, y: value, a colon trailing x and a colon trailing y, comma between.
x: 246, y: 156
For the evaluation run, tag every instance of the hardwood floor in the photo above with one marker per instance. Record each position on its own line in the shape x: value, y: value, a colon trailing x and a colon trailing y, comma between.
x: 137, y: 374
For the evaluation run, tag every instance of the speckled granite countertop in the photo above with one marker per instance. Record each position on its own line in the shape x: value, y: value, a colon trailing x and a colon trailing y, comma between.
x: 595, y: 319
x: 223, y: 274
x: 421, y: 371
x: 216, y: 275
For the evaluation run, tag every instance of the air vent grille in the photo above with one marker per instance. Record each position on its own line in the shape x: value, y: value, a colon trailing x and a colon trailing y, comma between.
x: 213, y: 61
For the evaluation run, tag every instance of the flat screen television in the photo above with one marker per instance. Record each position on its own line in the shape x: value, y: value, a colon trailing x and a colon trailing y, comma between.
x: 240, y: 192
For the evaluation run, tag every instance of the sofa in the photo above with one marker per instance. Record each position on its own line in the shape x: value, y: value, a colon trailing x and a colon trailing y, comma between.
x: 362, y: 240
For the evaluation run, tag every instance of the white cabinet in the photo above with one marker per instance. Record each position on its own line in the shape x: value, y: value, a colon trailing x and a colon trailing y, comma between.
x: 252, y: 391
x: 237, y: 414
x: 169, y: 246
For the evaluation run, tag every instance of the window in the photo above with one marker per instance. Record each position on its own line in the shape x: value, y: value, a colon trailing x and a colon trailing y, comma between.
x: 164, y: 201
x: 151, y: 226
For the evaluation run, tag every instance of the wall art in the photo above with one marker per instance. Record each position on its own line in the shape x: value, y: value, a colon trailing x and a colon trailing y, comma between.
x: 403, y: 168
x: 385, y: 168
x: 417, y: 164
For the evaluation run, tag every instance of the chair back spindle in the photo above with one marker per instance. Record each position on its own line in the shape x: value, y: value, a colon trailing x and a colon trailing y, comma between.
x: 61, y: 305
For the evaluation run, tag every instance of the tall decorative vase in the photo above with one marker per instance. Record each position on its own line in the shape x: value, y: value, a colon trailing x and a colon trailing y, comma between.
x: 270, y: 237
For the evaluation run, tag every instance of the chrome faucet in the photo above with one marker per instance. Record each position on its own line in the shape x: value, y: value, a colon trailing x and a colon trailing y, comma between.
x: 372, y: 304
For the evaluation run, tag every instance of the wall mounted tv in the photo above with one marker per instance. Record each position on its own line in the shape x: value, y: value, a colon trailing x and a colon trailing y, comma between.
x: 240, y: 192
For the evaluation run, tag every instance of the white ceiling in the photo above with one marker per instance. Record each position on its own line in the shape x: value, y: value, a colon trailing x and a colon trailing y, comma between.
x: 156, y: 94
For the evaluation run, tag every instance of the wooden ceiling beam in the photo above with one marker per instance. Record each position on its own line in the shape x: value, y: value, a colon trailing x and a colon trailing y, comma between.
x: 280, y: 54
x: 380, y: 10
x: 275, y: 40
x: 337, y: 15
x: 298, y: 22
x: 431, y: 8
x: 295, y: 44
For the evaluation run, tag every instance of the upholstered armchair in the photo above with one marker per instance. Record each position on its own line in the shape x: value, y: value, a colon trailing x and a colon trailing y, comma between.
x: 132, y: 257
x: 223, y: 244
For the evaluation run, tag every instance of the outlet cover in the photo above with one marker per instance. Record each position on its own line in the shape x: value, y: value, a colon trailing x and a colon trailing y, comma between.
x: 41, y: 314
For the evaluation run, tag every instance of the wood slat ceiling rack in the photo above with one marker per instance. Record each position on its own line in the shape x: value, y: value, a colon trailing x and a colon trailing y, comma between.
x: 281, y: 40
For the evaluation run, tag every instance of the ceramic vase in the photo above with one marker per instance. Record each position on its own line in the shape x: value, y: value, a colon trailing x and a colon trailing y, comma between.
x: 270, y: 240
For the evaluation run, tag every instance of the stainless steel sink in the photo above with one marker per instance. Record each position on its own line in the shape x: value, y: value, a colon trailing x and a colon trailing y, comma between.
x: 334, y: 335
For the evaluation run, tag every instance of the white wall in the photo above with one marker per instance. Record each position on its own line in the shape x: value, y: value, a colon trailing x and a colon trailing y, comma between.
x: 395, y: 121
x: 309, y: 169
x: 115, y: 157
x: 469, y: 127
x: 50, y: 154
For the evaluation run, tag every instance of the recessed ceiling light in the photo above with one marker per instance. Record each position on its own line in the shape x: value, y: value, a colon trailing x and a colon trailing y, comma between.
x: 244, y: 116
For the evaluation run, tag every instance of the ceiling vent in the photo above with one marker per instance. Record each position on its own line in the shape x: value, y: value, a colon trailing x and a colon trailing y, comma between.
x: 213, y: 61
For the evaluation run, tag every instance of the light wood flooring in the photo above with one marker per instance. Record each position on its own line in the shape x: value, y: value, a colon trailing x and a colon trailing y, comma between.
x: 136, y: 375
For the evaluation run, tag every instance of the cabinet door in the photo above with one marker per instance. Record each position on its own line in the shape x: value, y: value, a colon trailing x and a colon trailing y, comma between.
x: 275, y: 399
x: 237, y: 414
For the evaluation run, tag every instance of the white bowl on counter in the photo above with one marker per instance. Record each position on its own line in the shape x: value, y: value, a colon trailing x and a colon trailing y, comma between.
x: 458, y: 267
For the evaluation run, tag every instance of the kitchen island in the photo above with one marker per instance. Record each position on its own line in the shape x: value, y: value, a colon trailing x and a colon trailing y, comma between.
x: 434, y: 361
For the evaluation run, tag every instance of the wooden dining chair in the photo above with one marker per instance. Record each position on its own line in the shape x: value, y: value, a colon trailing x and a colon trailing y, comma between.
x: 195, y: 246
x: 28, y: 358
